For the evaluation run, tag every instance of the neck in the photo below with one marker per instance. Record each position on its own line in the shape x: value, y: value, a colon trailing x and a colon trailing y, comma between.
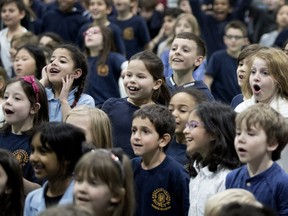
x: 58, y: 187
x: 152, y: 161
x: 233, y: 54
x: 15, y: 29
x: 181, y: 77
x: 258, y: 167
x: 124, y: 15
x: 140, y: 103
x: 23, y: 126
x: 103, y: 21
x: 95, y: 51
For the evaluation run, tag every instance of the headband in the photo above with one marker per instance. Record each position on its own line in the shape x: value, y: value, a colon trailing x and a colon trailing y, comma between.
x: 31, y: 80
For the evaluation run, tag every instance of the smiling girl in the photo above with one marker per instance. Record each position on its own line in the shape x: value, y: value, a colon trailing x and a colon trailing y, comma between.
x: 64, y: 78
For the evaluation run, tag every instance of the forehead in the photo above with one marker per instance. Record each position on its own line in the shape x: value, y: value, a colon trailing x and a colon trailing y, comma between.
x: 10, y: 5
x: 259, y: 62
x: 62, y: 52
x: 140, y: 121
x: 24, y: 52
x: 184, y: 42
x: 234, y: 31
x: 221, y: 2
x: 183, y: 98
x: 14, y: 87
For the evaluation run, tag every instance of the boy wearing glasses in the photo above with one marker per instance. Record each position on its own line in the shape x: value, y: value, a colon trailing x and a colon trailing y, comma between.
x: 161, y: 183
x: 220, y: 76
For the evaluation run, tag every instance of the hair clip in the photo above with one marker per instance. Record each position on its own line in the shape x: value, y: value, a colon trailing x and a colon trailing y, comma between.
x: 31, y: 80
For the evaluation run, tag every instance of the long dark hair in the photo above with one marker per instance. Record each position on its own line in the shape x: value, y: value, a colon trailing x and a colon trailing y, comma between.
x: 219, y: 121
x: 11, y: 202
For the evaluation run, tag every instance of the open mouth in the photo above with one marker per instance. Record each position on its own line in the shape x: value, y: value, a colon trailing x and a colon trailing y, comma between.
x: 7, y: 111
x: 53, y: 70
x: 132, y: 88
x: 256, y: 88
x: 241, y: 76
x: 177, y: 60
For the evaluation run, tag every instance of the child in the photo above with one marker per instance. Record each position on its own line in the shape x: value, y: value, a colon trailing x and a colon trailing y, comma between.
x: 270, y: 87
x: 66, y: 75
x: 104, y: 183
x: 29, y: 60
x: 209, y: 135
x: 25, y: 107
x: 184, y: 23
x: 212, y: 24
x: 99, y: 10
x: 236, y: 195
x: 181, y: 104
x: 244, y: 64
x: 133, y: 27
x: 21, y: 39
x: 11, y: 185
x: 161, y: 182
x: 3, y: 81
x: 56, y: 147
x: 163, y: 39
x: 220, y: 76
x: 12, y: 12
x: 261, y: 135
x: 95, y: 123
x: 65, y: 20
x: 104, y: 66
x: 186, y: 53
x: 144, y: 84
x: 269, y: 38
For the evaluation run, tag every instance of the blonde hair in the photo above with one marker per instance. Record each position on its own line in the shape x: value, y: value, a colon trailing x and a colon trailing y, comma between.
x: 101, y: 128
x: 215, y: 203
x: 112, y: 167
x: 277, y: 65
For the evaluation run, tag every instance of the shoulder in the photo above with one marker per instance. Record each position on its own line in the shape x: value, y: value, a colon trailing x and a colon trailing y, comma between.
x: 113, y: 102
x: 86, y: 99
x: 244, y: 105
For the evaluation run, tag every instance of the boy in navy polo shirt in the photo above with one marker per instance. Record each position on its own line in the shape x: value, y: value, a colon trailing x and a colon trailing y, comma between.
x: 261, y: 135
x: 161, y: 182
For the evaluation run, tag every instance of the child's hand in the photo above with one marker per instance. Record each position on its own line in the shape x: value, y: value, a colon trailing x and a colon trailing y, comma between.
x: 44, y: 78
x: 66, y: 86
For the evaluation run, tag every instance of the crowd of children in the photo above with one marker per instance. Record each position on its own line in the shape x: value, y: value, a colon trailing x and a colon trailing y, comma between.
x: 137, y: 107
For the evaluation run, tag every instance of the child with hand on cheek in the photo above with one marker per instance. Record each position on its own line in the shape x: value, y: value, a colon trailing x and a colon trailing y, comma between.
x: 64, y: 79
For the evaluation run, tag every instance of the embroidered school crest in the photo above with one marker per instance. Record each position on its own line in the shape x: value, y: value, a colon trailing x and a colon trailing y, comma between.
x: 22, y: 156
x: 161, y: 200
x: 102, y: 70
x: 128, y: 33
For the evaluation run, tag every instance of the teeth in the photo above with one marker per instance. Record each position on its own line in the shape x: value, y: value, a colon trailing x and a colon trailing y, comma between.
x: 188, y: 139
x: 177, y: 60
x: 131, y: 88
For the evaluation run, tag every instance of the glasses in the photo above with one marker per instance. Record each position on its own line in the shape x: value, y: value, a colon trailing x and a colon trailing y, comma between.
x: 91, y: 32
x: 194, y: 124
x: 235, y: 37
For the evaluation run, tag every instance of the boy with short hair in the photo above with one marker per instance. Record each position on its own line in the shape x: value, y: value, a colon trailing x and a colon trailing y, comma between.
x: 220, y: 76
x: 261, y: 135
x: 186, y: 54
x: 162, y: 184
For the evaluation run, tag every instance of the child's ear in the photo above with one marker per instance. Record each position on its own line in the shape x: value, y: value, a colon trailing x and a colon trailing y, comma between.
x: 157, y: 84
x: 77, y: 73
x: 116, y: 198
x: 198, y: 60
x: 272, y: 146
x: 164, y: 140
x: 35, y: 108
